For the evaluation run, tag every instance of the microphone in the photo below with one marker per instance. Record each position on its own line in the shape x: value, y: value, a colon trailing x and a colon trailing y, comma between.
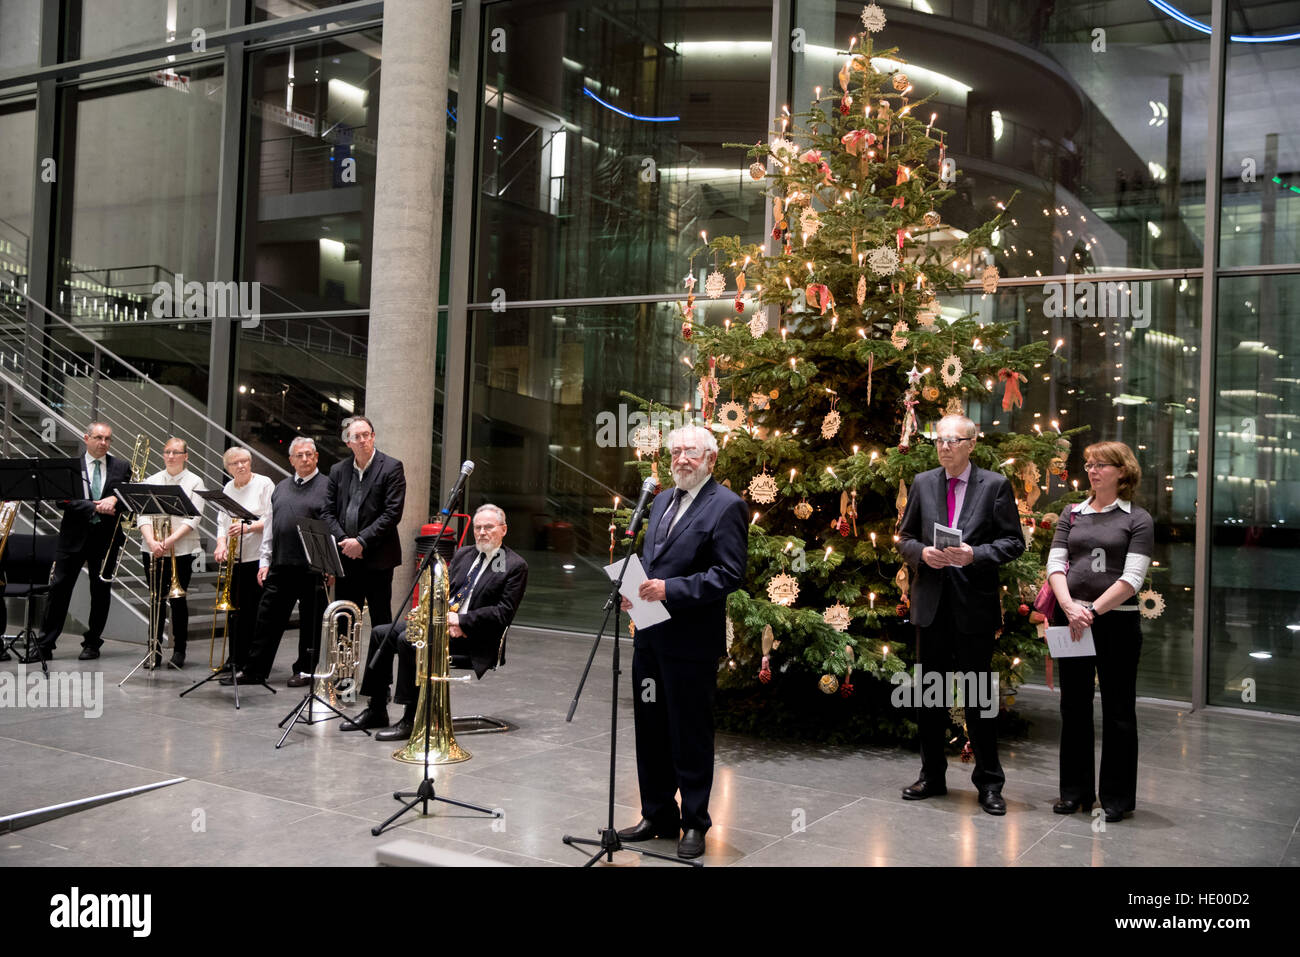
x: 466, y: 468
x: 642, y: 506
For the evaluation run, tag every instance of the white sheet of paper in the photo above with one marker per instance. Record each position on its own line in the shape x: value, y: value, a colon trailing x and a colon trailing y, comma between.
x: 946, y: 537
x: 644, y: 613
x: 1062, y: 645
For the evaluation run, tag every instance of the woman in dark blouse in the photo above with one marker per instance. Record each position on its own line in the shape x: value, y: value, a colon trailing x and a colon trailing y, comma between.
x: 1096, y: 566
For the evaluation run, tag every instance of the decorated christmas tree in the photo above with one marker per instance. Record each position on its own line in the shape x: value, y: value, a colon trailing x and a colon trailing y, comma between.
x: 822, y: 388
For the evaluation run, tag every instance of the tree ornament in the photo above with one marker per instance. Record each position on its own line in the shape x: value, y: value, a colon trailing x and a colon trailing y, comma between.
x: 809, y: 223
x: 932, y: 219
x: 646, y: 440
x: 757, y: 170
x: 767, y: 642
x: 873, y: 18
x: 883, y: 260
x: 731, y: 415
x: 951, y: 370
x: 898, y: 335
x: 758, y: 324
x: 900, y: 82
x: 1151, y: 604
x: 900, y: 502
x: 784, y: 151
x: 715, y: 284
x: 1012, y: 395
x: 910, y: 426
x: 842, y: 526
x: 856, y: 142
x: 687, y: 330
x: 831, y: 424
x: 837, y: 616
x: 758, y: 400
x: 803, y: 510
x: 954, y: 407
x: 689, y: 282
x: 862, y: 289
x: 762, y: 488
x: 989, y: 279
x: 783, y: 589
x: 930, y: 393
x: 828, y: 684
x: 731, y: 633
x: 901, y: 582
x: 928, y: 313
x: 913, y: 375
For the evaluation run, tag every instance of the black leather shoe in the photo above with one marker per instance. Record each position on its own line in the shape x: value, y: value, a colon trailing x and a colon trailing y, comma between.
x: 1066, y: 807
x: 4, y: 654
x: 991, y: 801
x: 178, y: 660
x: 398, y: 732
x: 300, y: 681
x: 367, y: 719
x: 923, y: 789
x: 644, y: 830
x: 35, y: 657
x: 88, y: 654
x: 691, y: 844
x: 1113, y: 815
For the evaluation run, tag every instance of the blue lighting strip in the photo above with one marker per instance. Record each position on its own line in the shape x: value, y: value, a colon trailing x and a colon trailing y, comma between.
x: 630, y: 116
x: 1184, y: 19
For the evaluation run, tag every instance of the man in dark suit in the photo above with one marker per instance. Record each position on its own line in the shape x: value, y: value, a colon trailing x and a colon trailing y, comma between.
x: 955, y: 600
x: 363, y: 505
x: 694, y: 555
x: 85, y: 533
x: 487, y: 582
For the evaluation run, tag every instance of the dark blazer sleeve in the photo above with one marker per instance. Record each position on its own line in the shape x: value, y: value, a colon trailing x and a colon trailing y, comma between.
x: 911, y: 529
x: 725, y: 567
x: 393, y: 487
x: 333, y: 504
x: 1008, y: 542
x: 491, y: 620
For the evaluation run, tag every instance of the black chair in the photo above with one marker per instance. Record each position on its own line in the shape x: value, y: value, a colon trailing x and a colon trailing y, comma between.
x: 26, y: 567
x: 480, y: 723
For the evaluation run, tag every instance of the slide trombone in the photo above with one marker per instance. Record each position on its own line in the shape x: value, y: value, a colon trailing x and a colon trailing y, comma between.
x: 225, y: 575
x: 139, y: 462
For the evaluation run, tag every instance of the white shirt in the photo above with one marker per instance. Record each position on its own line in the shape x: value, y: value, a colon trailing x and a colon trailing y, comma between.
x: 687, y: 500
x: 476, y: 570
x: 256, y: 497
x: 189, y: 543
x: 264, y: 553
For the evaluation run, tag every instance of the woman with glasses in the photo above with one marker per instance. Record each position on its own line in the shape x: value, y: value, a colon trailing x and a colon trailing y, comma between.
x: 253, y: 491
x: 1097, y: 563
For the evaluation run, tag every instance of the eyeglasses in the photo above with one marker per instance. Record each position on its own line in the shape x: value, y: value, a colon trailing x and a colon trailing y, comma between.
x: 1096, y: 466
x: 690, y: 453
x: 361, y: 436
x: 484, y: 528
x: 949, y: 443
x: 174, y: 452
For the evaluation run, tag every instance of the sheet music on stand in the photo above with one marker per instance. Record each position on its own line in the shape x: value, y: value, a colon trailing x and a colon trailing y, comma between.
x: 144, y: 499
x: 228, y: 505
x: 322, y: 551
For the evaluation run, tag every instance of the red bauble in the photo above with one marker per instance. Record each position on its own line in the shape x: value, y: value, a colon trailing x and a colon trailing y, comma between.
x: 844, y: 107
x: 846, y: 689
x: 776, y: 232
x: 1024, y: 609
x: 904, y: 448
x: 687, y: 330
x: 740, y: 304
x: 843, y: 527
x: 901, y: 610
x: 765, y: 675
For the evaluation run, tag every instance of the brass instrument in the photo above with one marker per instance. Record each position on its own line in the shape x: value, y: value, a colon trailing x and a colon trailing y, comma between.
x: 8, y: 512
x: 427, y: 630
x: 139, y: 463
x: 343, y: 649
x: 225, y: 575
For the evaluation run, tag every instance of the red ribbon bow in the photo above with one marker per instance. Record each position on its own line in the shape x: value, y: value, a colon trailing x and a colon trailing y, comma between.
x: 1012, y: 396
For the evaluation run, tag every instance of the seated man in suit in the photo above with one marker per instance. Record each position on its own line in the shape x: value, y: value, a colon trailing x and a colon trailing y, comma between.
x: 487, y: 583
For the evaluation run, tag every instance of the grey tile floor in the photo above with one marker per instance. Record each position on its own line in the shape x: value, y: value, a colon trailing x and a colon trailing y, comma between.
x: 1214, y: 788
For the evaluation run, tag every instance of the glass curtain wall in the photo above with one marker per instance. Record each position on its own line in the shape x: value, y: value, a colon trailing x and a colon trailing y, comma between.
x: 18, y: 133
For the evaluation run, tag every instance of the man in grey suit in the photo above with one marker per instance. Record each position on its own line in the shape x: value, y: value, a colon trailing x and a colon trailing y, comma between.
x: 955, y: 600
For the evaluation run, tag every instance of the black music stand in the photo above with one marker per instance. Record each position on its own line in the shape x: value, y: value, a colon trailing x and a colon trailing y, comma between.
x: 323, y: 556
x: 609, y: 840
x: 224, y: 503
x: 37, y: 481
x: 145, y: 499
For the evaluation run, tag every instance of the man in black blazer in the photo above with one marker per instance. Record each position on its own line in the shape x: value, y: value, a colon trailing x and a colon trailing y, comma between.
x: 85, y: 533
x: 955, y: 600
x: 363, y: 505
x: 487, y: 582
x: 694, y: 555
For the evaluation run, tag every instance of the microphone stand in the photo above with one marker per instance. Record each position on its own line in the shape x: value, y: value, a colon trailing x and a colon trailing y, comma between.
x: 609, y: 841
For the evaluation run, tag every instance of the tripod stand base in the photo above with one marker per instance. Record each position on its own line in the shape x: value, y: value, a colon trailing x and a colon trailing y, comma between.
x: 423, y: 795
x: 303, y: 705
x: 610, y: 844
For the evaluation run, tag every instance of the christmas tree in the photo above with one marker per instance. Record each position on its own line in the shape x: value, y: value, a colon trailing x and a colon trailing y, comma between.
x: 822, y: 389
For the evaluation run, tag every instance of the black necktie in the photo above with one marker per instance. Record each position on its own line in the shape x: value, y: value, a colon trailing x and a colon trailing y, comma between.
x: 665, y: 523
x: 299, y: 481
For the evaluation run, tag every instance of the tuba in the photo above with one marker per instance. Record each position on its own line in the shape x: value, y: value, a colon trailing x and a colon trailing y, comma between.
x: 343, y: 649
x: 426, y: 629
x: 139, y: 462
x: 8, y: 512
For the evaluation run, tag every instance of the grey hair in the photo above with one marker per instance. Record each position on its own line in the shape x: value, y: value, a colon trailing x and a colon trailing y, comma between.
x: 967, y: 425
x: 489, y: 507
x: 302, y: 440
x: 697, y: 433
x: 353, y: 420
x: 233, y: 451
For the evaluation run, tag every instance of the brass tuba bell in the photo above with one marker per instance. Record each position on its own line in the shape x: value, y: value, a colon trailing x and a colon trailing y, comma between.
x: 342, y: 644
x: 426, y: 629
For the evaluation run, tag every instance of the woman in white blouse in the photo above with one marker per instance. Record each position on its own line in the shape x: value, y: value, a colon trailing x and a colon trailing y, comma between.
x: 1097, y: 563
x: 252, y: 491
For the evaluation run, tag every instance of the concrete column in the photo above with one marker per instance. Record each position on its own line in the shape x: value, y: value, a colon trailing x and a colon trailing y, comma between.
x: 407, y: 240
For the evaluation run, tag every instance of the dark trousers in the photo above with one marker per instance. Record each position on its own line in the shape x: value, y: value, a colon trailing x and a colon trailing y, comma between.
x: 65, y: 580
x: 158, y: 572
x: 286, y: 586
x: 672, y: 704
x: 943, y: 647
x: 1118, y: 637
x: 379, y: 676
x: 367, y: 586
x: 241, y: 628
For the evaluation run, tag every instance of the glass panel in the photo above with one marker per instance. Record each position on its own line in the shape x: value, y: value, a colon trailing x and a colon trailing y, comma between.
x: 312, y: 128
x: 1131, y: 378
x: 1261, y: 137
x: 1254, y: 626
x: 20, y: 35
x: 1094, y: 112
x: 18, y: 134
x: 550, y: 434
x: 133, y: 218
x: 275, y: 9
x: 112, y: 26
x: 602, y: 135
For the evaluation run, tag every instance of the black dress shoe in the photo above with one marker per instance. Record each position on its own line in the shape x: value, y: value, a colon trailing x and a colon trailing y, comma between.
x: 1113, y: 815
x: 923, y: 789
x: 88, y: 654
x: 398, y: 732
x: 644, y: 830
x: 35, y: 657
x: 4, y: 654
x: 300, y: 681
x: 367, y: 719
x: 178, y: 660
x: 1066, y: 807
x: 691, y: 844
x: 992, y: 802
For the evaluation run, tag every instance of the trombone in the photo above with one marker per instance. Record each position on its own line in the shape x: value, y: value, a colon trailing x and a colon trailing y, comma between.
x: 8, y: 512
x: 225, y: 575
x: 162, y: 527
x: 139, y: 461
